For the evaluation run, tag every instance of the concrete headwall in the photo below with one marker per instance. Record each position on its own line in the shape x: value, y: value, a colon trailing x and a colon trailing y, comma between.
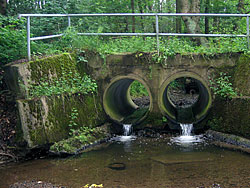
x: 121, y: 69
x: 46, y: 119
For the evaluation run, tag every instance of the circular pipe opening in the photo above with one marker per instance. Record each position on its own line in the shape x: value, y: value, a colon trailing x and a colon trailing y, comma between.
x: 118, y: 102
x: 178, y: 112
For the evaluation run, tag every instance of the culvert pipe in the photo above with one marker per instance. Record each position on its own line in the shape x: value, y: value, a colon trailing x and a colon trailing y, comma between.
x: 199, y: 109
x: 117, y: 101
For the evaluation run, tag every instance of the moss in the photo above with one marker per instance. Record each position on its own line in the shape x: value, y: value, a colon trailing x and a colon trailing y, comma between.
x: 154, y: 120
x: 52, y: 66
x: 46, y: 119
x: 242, y: 75
x: 136, y: 116
x: 79, y: 141
x: 37, y: 136
x: 231, y: 117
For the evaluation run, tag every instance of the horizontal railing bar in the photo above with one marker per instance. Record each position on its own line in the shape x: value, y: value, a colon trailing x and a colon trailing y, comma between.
x: 119, y: 34
x: 156, y: 15
x: 140, y: 34
x: 46, y: 37
x: 164, y: 34
x: 200, y: 35
x: 133, y: 14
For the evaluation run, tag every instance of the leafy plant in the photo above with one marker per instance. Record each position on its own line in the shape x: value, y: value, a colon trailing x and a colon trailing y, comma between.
x: 222, y: 86
x: 164, y: 119
x: 79, y: 136
x: 72, y: 122
x: 137, y: 89
x: 12, y: 39
x: 70, y: 83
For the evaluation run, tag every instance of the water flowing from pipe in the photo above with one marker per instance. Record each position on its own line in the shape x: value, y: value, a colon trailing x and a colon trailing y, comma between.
x: 186, y: 129
x: 127, y: 129
x: 186, y: 138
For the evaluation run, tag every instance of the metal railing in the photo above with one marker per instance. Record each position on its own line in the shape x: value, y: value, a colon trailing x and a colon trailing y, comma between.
x: 156, y: 33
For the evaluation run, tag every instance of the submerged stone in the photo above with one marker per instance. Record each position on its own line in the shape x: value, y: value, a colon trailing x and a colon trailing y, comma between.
x: 184, y: 158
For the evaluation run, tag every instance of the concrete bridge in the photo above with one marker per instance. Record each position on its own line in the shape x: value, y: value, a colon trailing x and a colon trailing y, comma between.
x: 45, y: 119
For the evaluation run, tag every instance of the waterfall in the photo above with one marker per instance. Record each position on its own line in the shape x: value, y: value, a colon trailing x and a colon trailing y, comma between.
x: 127, y: 129
x: 186, y: 129
x: 186, y: 138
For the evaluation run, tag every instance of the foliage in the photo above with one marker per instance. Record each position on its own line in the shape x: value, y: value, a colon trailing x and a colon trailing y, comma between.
x: 137, y: 89
x: 177, y: 84
x: 169, y: 46
x: 68, y: 83
x: 78, y: 140
x: 164, y: 119
x: 215, y: 124
x: 222, y: 86
x: 78, y: 137
x: 72, y: 122
x: 12, y: 39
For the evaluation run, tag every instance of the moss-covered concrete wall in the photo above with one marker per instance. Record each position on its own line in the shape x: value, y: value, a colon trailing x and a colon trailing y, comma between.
x: 231, y: 116
x: 45, y: 119
x: 19, y: 76
x: 242, y: 75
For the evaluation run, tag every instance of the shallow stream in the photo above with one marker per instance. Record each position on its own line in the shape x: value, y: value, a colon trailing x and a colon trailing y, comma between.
x: 130, y: 162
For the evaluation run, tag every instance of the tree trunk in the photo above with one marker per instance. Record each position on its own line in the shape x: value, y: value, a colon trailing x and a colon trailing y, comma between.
x: 240, y: 6
x: 206, y: 18
x: 133, y: 18
x: 178, y: 19
x: 150, y: 8
x: 3, y: 7
x: 141, y: 11
x: 192, y: 22
x: 240, y: 9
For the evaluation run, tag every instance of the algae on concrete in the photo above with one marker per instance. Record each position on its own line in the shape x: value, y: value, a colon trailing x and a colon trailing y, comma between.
x: 46, y: 119
x: 242, y: 75
x: 231, y: 116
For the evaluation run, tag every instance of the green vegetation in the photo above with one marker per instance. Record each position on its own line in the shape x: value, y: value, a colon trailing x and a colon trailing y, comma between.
x: 242, y: 75
x: 222, y: 86
x: 13, y: 32
x: 82, y: 137
x: 70, y: 83
x: 79, y: 138
x: 137, y: 89
x: 57, y: 75
x: 231, y: 117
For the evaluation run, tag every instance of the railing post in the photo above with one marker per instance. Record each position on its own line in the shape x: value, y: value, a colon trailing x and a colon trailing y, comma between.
x: 248, y: 42
x: 69, y: 21
x: 157, y: 33
x: 28, y: 38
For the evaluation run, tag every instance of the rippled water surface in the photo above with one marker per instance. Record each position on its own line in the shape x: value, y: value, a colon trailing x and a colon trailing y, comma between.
x: 146, y: 163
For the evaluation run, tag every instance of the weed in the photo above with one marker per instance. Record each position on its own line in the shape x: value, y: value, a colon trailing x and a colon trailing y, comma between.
x: 222, y: 86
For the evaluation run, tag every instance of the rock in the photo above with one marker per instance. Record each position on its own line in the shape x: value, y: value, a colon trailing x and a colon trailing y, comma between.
x: 34, y: 184
x: 229, y: 141
x: 117, y: 166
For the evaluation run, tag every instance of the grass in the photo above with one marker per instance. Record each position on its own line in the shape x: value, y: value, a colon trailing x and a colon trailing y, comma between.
x: 169, y: 46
